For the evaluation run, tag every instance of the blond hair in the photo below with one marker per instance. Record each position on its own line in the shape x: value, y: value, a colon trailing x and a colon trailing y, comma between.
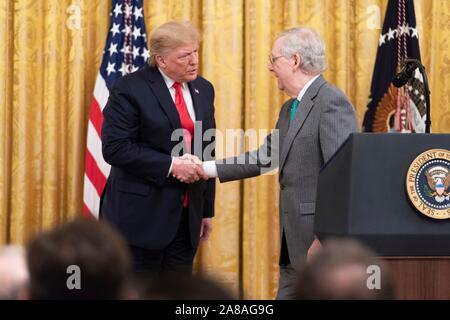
x: 170, y: 35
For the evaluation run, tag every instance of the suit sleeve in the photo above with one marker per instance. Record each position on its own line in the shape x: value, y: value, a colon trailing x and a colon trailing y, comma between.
x: 120, y: 144
x: 210, y: 191
x: 337, y: 121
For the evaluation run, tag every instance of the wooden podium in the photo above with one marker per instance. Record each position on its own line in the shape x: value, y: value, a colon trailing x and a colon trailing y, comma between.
x: 362, y: 194
x: 420, y: 278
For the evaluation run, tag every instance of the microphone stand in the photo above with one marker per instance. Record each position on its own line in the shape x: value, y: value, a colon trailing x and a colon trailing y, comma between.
x: 426, y: 93
x: 427, y: 98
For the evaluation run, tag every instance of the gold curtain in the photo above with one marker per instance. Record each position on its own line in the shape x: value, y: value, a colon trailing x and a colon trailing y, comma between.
x: 52, y: 51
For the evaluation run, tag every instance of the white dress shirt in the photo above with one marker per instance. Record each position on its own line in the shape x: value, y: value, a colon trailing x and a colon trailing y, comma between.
x: 187, y: 98
x: 186, y: 94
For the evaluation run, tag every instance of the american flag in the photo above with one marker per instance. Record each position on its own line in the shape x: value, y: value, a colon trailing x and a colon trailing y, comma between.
x: 125, y: 52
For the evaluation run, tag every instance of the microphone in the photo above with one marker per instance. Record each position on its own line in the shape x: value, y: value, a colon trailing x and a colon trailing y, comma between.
x: 406, y: 73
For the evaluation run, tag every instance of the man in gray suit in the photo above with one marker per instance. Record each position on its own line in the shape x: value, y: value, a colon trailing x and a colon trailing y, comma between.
x: 311, y: 126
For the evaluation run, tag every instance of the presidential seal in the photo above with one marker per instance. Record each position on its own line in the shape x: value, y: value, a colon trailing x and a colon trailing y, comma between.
x: 428, y: 183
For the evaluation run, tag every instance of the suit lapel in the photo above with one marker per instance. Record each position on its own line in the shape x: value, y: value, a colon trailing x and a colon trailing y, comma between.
x: 162, y: 93
x: 195, y: 93
x: 301, y: 115
x: 283, y: 122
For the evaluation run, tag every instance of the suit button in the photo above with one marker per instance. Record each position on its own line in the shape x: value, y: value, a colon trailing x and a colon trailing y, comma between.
x: 282, y: 186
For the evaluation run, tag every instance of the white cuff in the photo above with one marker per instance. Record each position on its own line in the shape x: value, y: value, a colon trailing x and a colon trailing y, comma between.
x: 170, y: 169
x: 210, y: 169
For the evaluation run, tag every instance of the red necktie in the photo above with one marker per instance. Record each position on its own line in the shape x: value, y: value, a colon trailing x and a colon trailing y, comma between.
x: 186, y: 122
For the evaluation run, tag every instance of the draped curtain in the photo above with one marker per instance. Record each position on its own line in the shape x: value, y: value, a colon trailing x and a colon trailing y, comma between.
x: 51, y: 54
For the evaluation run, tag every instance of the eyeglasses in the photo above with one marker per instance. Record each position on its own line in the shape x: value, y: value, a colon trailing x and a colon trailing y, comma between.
x: 273, y: 59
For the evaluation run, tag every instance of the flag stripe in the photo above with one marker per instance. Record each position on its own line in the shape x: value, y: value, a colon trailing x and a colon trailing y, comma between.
x: 94, y: 145
x: 96, y: 117
x: 93, y: 172
x: 101, y: 92
x: 91, y: 197
x: 86, y: 210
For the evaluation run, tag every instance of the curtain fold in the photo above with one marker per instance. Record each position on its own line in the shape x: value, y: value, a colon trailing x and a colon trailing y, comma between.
x: 51, y: 54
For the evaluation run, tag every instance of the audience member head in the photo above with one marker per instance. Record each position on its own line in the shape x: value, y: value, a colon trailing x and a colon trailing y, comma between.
x: 173, y: 286
x: 83, y: 259
x: 345, y: 270
x: 13, y: 272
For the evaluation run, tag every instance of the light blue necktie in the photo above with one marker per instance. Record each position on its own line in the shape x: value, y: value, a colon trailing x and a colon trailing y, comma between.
x: 294, y: 107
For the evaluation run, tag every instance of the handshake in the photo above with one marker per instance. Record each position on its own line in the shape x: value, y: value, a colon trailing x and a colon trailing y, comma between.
x: 188, y: 169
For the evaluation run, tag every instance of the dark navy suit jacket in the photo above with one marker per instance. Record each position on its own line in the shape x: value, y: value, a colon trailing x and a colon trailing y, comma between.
x: 140, y: 199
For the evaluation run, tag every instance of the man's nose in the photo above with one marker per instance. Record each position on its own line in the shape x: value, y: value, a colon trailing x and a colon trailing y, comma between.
x: 194, y: 58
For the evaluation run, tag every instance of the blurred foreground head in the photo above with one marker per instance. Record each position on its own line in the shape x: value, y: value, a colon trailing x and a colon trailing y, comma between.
x: 346, y: 270
x: 13, y: 272
x: 83, y: 259
x: 174, y: 286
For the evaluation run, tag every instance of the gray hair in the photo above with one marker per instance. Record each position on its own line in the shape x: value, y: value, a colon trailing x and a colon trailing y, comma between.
x: 309, y: 45
x: 169, y: 36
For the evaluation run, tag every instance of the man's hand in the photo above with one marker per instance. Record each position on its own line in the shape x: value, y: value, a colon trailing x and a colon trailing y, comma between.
x: 315, y: 247
x: 188, y: 169
x: 205, y: 229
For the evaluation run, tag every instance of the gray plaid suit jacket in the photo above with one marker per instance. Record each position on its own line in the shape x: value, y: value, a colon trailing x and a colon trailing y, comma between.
x: 323, y: 121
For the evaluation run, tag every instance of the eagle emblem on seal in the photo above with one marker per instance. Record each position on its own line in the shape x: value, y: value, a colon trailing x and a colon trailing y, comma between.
x: 438, y: 179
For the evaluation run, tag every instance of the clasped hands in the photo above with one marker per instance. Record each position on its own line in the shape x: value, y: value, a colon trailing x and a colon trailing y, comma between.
x: 188, y: 169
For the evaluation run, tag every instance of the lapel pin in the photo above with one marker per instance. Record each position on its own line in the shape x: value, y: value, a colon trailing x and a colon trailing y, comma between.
x: 196, y: 91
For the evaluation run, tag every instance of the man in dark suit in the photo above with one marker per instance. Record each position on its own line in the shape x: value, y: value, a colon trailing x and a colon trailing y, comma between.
x: 311, y: 126
x: 154, y: 196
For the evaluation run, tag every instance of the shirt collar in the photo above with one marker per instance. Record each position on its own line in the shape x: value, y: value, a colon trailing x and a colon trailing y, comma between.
x: 169, y: 82
x: 302, y: 92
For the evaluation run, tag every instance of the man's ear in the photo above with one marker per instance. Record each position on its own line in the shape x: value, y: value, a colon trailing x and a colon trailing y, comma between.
x: 160, y: 61
x: 297, y: 61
